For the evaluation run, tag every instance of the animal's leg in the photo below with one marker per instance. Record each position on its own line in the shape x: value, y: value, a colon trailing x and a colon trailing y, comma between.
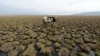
x: 43, y: 24
x: 49, y: 23
x: 52, y: 23
x: 46, y: 24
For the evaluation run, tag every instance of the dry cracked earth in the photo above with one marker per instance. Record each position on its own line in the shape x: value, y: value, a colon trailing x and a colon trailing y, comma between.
x: 69, y: 36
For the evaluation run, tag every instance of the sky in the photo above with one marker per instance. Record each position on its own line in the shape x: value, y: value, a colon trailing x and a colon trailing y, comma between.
x: 52, y: 7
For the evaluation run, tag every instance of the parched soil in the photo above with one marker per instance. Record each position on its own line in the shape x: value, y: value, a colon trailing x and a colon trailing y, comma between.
x: 69, y: 36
